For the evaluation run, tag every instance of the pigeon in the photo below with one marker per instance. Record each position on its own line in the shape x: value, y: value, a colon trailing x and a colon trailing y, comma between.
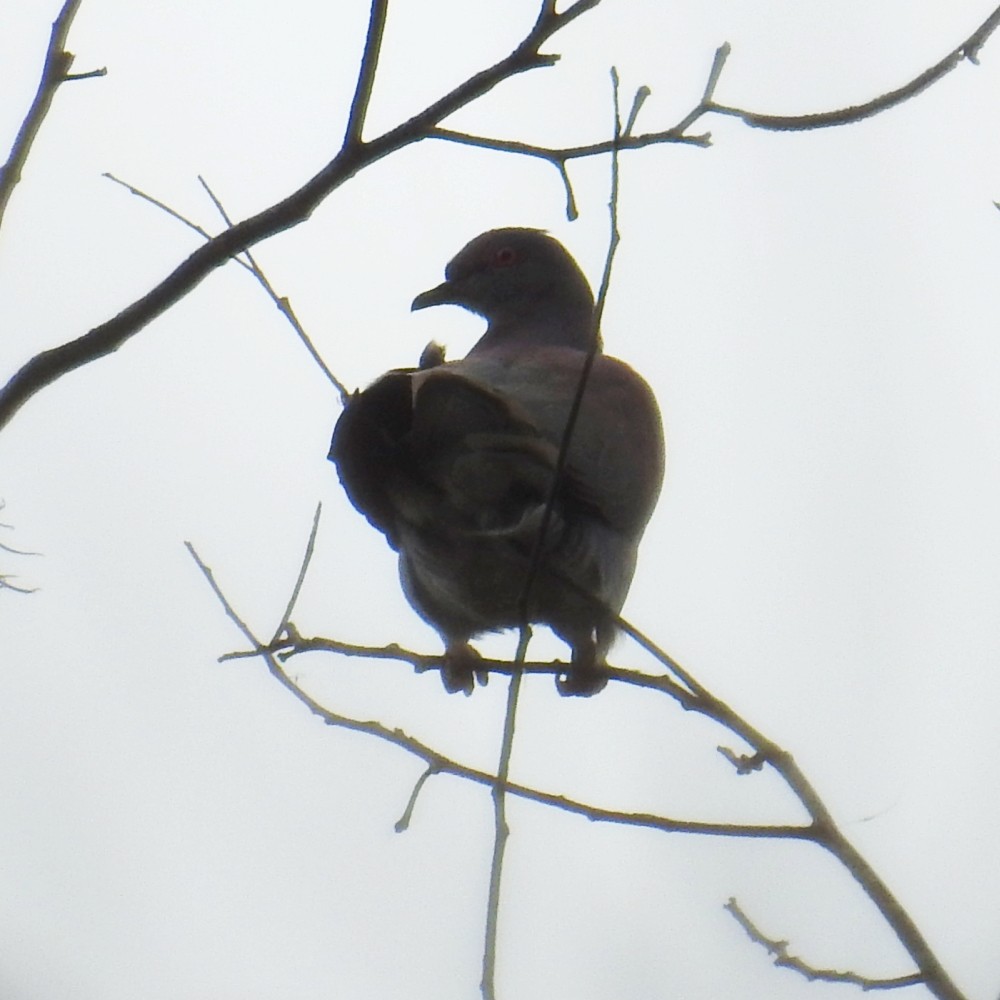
x: 457, y: 463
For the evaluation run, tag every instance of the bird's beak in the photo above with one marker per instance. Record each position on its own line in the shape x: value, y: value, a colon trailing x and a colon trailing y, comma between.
x: 439, y: 296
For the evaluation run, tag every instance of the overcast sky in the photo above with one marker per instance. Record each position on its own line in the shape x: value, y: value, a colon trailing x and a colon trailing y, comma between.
x: 817, y: 313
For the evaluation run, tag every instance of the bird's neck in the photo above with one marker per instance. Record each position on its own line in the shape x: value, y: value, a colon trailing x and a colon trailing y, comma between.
x: 567, y: 327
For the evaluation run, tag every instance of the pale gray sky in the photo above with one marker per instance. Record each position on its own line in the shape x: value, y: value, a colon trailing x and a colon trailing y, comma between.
x: 817, y: 313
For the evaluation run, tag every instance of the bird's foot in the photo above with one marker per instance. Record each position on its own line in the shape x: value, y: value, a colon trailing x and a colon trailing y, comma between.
x: 585, y: 675
x: 581, y: 682
x: 461, y: 667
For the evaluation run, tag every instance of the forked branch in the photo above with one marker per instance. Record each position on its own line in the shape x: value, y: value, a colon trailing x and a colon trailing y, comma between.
x: 356, y: 154
x: 55, y: 71
x: 678, y: 684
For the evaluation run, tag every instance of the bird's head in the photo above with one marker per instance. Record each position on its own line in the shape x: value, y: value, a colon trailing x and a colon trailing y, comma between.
x: 524, y: 283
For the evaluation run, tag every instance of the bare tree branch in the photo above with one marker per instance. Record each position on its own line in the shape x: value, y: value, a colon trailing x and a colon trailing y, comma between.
x: 357, y: 154
x: 437, y: 763
x: 501, y: 829
x: 560, y: 156
x: 301, y: 578
x: 5, y: 584
x: 403, y: 823
x: 292, y: 644
x: 784, y: 959
x: 5, y: 578
x: 826, y: 832
x: 10, y: 548
x: 968, y: 49
x: 55, y: 71
x: 172, y: 212
x: 354, y: 156
x: 282, y: 302
x: 366, y: 75
x: 248, y: 262
x: 822, y: 830
x: 91, y: 74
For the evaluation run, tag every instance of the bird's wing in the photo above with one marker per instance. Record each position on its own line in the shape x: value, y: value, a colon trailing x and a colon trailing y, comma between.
x: 615, y: 461
x: 440, y: 453
x: 366, y: 446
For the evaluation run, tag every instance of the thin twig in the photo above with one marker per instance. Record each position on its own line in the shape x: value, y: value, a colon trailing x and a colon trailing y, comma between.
x: 403, y: 823
x: 501, y: 829
x: 966, y: 50
x: 438, y: 763
x: 281, y: 301
x: 563, y: 154
x: 285, y: 624
x: 10, y: 548
x: 90, y: 74
x: 13, y: 551
x: 784, y: 959
x: 248, y: 262
x: 559, y: 157
x: 366, y: 73
x: 5, y: 584
x: 5, y: 578
x: 174, y: 214
x: 230, y: 611
x: 707, y: 101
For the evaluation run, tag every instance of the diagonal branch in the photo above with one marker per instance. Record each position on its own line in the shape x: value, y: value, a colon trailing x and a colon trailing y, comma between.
x: 50, y: 365
x: 354, y: 156
x: 827, y: 834
x: 966, y: 50
x: 54, y: 72
x: 366, y: 75
x: 248, y: 262
x: 821, y: 829
x: 783, y: 958
x: 281, y: 301
x: 172, y: 212
x: 439, y: 763
x: 560, y: 156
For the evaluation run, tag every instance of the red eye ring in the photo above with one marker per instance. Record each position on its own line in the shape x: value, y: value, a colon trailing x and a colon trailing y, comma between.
x: 505, y: 256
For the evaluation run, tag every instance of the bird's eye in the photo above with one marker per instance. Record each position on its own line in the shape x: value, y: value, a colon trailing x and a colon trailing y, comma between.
x: 504, y: 257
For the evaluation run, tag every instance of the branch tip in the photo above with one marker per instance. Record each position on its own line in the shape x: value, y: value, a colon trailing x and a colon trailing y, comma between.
x: 637, y: 102
x: 779, y: 949
x: 744, y: 763
x: 55, y: 70
x: 721, y: 55
x: 88, y: 75
x: 366, y: 73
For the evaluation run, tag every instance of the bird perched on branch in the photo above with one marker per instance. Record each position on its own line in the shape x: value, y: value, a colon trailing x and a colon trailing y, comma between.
x: 458, y: 463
